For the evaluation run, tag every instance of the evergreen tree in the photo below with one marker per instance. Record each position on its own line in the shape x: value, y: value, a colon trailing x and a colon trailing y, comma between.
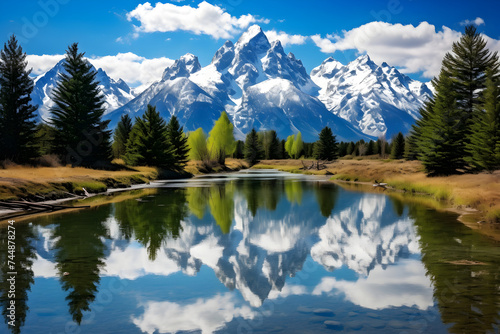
x: 148, y: 142
x: 467, y: 65
x: 239, y: 152
x: 284, y: 153
x: 350, y: 148
x: 253, y: 148
x: 221, y: 140
x: 342, y: 149
x: 398, y: 146
x: 326, y: 147
x: 270, y: 143
x: 178, y: 140
x: 122, y: 133
x: 370, y: 149
x: 44, y: 138
x: 80, y: 135
x: 441, y: 143
x: 17, y: 125
x: 484, y: 146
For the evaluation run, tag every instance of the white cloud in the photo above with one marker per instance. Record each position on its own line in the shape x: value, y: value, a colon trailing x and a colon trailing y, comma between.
x: 285, y: 38
x: 411, y: 48
x: 205, y: 19
x: 43, y: 63
x: 478, y: 21
x: 205, y: 315
x: 404, y: 284
x: 133, y: 69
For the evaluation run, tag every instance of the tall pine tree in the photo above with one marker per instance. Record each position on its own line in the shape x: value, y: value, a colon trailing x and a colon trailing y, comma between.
x: 122, y: 133
x: 441, y: 142
x: 253, y: 149
x: 326, y: 148
x: 398, y: 146
x: 484, y: 145
x: 148, y: 143
x: 17, y: 125
x: 81, y: 137
x: 178, y: 139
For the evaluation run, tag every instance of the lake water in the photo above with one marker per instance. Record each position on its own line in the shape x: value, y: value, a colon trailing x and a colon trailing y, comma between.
x: 252, y: 252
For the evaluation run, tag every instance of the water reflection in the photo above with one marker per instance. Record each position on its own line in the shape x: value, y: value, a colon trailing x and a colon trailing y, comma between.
x: 215, y: 254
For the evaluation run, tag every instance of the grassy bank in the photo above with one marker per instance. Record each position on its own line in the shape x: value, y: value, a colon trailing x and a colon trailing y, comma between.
x: 470, y: 191
x: 49, y: 183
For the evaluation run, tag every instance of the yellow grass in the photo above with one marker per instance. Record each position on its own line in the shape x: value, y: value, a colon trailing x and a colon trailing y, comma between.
x: 477, y: 191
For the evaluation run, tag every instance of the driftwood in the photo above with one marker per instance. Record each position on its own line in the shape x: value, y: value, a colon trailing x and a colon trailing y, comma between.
x: 318, y: 165
x: 39, y: 207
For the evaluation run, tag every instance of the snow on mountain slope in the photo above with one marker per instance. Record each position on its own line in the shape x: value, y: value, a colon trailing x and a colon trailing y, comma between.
x: 116, y: 93
x: 378, y: 100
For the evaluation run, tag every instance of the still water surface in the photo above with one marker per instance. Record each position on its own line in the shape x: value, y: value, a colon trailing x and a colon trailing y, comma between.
x: 252, y: 252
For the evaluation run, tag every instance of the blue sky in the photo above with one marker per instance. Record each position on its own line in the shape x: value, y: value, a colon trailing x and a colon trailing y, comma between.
x: 136, y: 40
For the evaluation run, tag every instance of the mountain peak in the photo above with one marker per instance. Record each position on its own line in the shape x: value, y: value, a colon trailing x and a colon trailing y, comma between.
x: 182, y: 67
x: 224, y: 56
x: 254, y: 38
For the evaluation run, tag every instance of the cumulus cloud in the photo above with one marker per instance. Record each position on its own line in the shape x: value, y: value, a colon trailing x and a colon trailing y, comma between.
x: 133, y: 69
x: 405, y: 284
x: 285, y: 38
x: 205, y: 315
x: 411, y: 48
x: 478, y: 21
x: 43, y: 63
x: 206, y: 19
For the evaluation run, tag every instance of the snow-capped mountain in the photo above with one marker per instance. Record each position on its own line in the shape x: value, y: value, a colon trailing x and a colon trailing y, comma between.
x: 258, y: 85
x: 262, y: 87
x: 378, y: 100
x: 116, y: 93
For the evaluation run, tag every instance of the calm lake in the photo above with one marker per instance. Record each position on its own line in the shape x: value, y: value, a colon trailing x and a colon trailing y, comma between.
x: 252, y: 252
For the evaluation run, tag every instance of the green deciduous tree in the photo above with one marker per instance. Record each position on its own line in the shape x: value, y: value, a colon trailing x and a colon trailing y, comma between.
x: 197, y: 143
x: 253, y: 149
x: 484, y: 144
x: 122, y: 133
x: 326, y: 147
x: 178, y: 140
x: 148, y: 143
x: 17, y: 125
x: 298, y: 146
x: 81, y: 137
x: 398, y: 146
x: 221, y: 140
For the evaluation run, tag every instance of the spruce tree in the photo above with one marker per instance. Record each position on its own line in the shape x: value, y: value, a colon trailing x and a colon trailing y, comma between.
x: 178, y: 139
x: 122, y: 133
x: 270, y: 143
x: 441, y: 142
x: 484, y: 145
x: 326, y: 147
x: 81, y: 137
x: 17, y: 125
x: 148, y: 142
x: 253, y: 149
x: 398, y: 146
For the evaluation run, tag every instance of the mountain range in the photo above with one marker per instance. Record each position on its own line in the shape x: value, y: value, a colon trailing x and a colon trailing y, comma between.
x: 262, y: 87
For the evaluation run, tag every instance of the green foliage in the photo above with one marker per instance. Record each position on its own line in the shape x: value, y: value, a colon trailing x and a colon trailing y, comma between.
x: 484, y: 145
x: 326, y: 147
x: 270, y: 144
x: 441, y: 143
x: 253, y: 149
x: 44, y: 138
x: 148, y: 142
x: 298, y: 145
x: 122, y: 133
x: 221, y: 140
x: 239, y: 151
x: 197, y: 143
x: 17, y: 125
x: 350, y: 148
x: 398, y: 146
x: 343, y: 149
x: 178, y: 140
x: 221, y: 204
x: 80, y: 136
x: 289, y: 145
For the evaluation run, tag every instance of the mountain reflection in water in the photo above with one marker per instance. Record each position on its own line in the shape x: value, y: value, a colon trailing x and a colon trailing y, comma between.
x: 250, y: 252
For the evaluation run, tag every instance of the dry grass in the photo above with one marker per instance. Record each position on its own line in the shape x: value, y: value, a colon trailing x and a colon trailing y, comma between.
x: 55, y: 182
x: 197, y: 167
x: 478, y: 191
